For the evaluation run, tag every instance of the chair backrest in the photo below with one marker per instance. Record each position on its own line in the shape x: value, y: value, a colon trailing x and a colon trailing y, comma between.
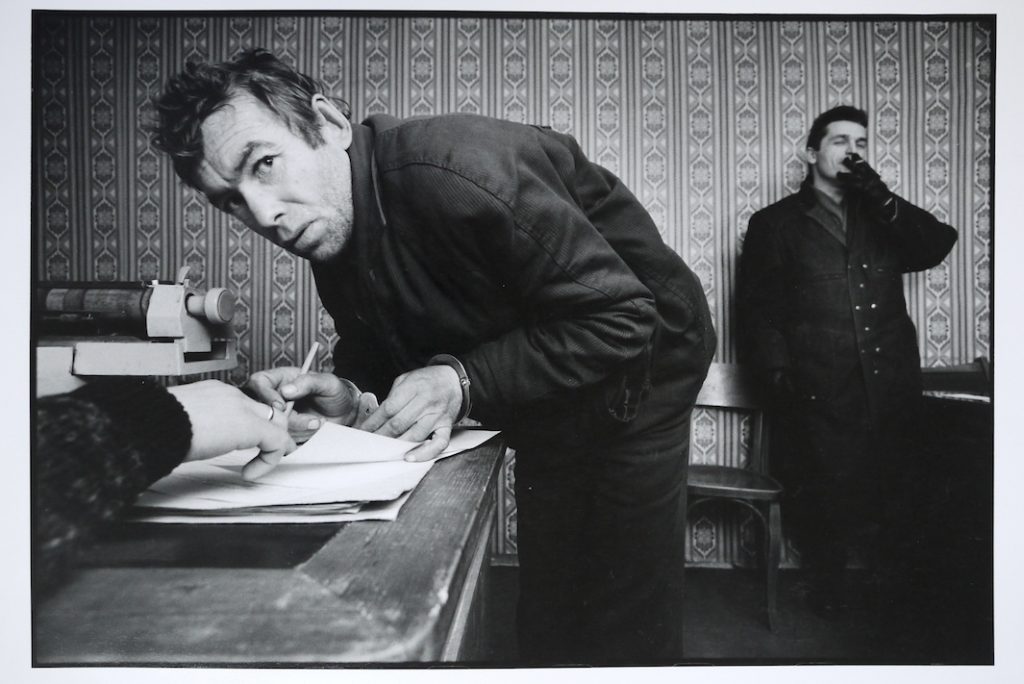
x: 730, y: 386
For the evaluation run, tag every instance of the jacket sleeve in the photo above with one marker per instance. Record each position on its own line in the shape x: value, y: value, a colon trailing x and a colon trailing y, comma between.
x: 922, y: 240
x: 583, y: 312
x: 358, y: 354
x: 96, y: 449
x: 762, y: 298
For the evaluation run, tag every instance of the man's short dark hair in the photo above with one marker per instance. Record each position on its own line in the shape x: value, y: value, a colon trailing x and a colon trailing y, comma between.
x: 840, y: 113
x: 201, y: 89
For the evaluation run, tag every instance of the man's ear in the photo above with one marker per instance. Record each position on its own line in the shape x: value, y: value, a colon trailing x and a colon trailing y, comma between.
x: 803, y: 152
x: 331, y: 116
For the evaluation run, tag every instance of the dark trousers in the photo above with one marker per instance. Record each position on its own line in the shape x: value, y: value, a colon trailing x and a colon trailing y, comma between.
x: 601, y: 548
x: 854, y: 481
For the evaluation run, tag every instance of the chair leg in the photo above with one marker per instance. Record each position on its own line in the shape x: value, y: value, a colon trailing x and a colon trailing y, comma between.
x: 774, y: 555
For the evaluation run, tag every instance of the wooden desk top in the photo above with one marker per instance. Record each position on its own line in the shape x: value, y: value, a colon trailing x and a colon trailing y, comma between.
x: 361, y: 592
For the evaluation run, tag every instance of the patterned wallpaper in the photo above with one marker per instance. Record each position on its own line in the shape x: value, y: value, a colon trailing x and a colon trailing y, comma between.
x: 702, y: 118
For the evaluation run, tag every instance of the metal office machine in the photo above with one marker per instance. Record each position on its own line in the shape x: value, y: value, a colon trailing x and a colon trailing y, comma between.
x: 130, y: 328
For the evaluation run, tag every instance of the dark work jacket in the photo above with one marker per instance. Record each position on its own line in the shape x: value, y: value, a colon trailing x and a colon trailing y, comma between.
x: 501, y: 244
x: 834, y: 314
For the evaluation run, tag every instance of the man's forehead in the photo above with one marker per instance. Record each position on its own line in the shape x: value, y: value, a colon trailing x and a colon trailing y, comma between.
x: 234, y: 129
x: 846, y: 128
x: 240, y: 109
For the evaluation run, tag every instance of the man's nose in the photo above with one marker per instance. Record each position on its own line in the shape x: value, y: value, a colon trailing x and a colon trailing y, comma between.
x: 266, y: 210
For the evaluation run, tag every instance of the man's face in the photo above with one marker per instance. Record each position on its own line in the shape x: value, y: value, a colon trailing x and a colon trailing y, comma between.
x: 269, y: 178
x: 841, y: 138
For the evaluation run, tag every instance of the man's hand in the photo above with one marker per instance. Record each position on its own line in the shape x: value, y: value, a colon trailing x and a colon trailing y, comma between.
x: 865, y: 181
x: 422, y: 405
x: 224, y: 419
x: 318, y: 397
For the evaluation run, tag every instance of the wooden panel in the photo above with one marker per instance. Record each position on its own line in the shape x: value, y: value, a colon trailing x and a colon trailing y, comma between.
x: 373, y: 592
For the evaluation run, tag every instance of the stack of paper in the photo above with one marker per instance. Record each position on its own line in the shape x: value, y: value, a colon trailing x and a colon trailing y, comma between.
x: 340, y: 474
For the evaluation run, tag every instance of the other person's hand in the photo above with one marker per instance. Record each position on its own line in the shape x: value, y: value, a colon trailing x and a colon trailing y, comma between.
x: 865, y: 181
x: 318, y: 397
x: 421, y: 407
x: 224, y: 419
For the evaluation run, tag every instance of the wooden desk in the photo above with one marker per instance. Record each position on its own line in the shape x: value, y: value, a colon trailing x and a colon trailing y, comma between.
x: 958, y: 443
x: 362, y: 592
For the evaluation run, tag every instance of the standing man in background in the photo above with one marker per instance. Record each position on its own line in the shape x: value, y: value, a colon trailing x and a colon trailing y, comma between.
x: 469, y: 261
x: 824, y: 321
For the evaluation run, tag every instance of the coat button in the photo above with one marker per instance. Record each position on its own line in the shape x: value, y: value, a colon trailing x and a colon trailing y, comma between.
x: 875, y: 371
x: 867, y: 328
x: 861, y: 285
x: 874, y: 306
x: 857, y: 307
x: 864, y: 266
x: 878, y: 349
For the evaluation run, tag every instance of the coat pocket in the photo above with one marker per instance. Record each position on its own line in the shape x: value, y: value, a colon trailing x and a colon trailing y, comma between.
x: 626, y: 391
x: 816, y: 357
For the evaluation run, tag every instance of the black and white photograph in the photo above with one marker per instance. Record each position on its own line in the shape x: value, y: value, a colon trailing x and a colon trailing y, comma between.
x: 513, y: 341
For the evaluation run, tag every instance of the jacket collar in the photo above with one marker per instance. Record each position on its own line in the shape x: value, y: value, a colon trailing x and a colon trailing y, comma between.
x: 367, y: 225
x: 814, y: 210
x: 806, y: 193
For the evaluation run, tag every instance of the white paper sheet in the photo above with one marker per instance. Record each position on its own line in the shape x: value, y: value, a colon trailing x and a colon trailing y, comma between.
x: 339, y: 444
x: 337, y: 464
x: 376, y: 510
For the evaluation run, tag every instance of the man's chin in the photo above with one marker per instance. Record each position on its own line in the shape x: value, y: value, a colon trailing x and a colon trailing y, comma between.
x: 319, y: 254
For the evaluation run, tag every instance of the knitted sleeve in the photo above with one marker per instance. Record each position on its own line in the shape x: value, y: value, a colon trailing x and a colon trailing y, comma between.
x: 96, y: 449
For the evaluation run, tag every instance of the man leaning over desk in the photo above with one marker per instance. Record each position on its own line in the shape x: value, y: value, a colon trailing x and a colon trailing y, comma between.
x: 472, y: 262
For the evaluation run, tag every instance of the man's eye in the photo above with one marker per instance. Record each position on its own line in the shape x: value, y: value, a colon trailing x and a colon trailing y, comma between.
x: 264, y: 163
x: 229, y: 204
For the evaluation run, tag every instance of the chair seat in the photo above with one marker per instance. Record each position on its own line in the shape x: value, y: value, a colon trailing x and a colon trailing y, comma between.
x: 715, y: 480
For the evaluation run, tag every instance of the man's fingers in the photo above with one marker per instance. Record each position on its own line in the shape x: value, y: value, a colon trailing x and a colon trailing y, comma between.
x: 382, y: 420
x: 431, y: 448
x: 413, y: 423
x: 422, y: 428
x: 311, y: 385
x: 265, y: 385
x: 367, y: 405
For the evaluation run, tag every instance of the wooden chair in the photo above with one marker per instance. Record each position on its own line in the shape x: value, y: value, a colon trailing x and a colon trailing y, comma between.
x: 730, y: 387
x: 965, y: 378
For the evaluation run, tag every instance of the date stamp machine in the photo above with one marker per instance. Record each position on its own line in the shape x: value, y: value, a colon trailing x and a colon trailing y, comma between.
x: 130, y: 328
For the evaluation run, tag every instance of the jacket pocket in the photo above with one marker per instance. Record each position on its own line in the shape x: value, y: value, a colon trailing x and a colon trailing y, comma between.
x: 626, y: 391
x: 815, y: 356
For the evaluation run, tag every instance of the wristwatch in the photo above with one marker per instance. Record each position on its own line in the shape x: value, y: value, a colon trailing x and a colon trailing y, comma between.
x: 464, y: 383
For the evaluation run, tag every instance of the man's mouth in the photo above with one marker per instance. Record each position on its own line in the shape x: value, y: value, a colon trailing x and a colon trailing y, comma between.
x: 293, y: 244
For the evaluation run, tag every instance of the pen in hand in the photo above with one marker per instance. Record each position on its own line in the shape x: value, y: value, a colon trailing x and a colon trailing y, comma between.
x: 306, y: 365
x: 258, y: 467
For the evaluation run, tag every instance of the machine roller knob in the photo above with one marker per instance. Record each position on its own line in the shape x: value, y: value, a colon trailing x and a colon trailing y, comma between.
x: 217, y: 305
